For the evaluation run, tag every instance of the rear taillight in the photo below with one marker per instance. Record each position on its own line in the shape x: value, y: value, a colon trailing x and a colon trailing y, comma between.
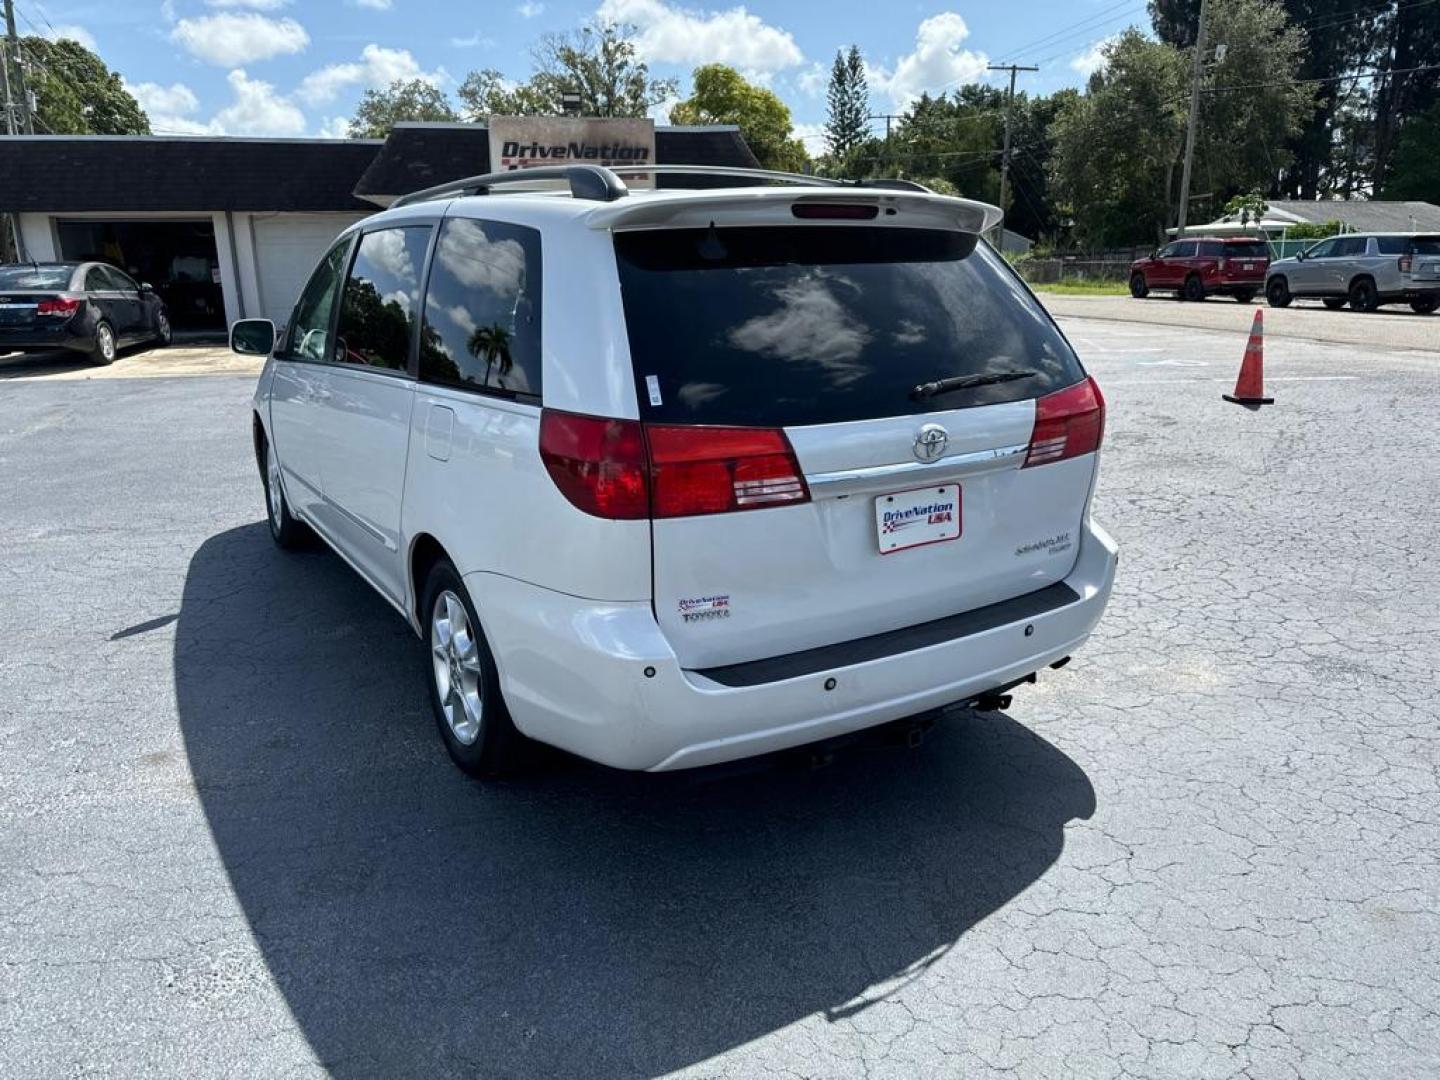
x: 1068, y: 423
x: 1406, y: 262
x: 712, y: 470
x: 598, y: 464
x: 623, y: 469
x: 64, y: 306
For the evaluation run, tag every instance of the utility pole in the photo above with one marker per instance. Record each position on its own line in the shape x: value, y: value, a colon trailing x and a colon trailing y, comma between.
x: 1194, y: 122
x: 887, y: 117
x: 1005, y: 155
x: 19, y: 98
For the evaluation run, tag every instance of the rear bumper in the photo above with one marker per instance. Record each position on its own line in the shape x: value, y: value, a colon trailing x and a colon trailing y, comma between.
x: 574, y: 674
x: 32, y: 339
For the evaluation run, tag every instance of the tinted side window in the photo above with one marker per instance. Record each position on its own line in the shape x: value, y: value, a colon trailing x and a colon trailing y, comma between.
x: 1351, y: 245
x: 1185, y: 250
x: 382, y: 298
x: 1393, y: 245
x: 307, y: 337
x: 1211, y: 248
x: 95, y: 280
x: 482, y: 308
x: 116, y: 279
x: 1322, y: 250
x: 1168, y: 251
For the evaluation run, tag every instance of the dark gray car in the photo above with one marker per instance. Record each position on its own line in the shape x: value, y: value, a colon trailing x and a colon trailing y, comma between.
x: 1364, y: 270
x: 86, y: 307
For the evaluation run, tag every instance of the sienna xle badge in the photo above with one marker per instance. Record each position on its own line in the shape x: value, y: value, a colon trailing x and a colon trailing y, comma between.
x: 673, y: 477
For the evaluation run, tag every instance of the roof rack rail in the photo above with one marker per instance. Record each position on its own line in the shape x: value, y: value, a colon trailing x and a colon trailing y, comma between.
x: 767, y: 174
x: 725, y: 170
x: 586, y: 182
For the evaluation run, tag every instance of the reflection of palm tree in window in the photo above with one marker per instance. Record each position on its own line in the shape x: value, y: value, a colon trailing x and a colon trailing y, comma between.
x: 492, y: 343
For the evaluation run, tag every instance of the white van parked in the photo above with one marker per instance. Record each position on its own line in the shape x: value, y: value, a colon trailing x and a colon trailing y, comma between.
x: 673, y: 477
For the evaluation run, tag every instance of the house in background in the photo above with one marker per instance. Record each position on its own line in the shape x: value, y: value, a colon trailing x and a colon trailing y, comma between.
x: 1354, y: 215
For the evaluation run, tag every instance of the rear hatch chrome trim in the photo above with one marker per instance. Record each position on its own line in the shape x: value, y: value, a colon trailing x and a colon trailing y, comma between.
x: 880, y: 478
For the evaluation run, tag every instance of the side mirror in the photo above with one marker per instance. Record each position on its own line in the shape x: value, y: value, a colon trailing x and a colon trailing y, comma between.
x: 252, y: 337
x: 1300, y: 256
x: 146, y: 287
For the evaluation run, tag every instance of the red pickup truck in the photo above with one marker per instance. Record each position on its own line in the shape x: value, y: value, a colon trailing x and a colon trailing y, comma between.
x: 1202, y: 266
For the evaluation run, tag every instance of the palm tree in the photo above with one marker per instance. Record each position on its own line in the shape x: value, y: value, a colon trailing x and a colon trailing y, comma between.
x: 493, y: 343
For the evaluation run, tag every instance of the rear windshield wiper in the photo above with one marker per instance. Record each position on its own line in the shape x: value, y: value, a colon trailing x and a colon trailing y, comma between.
x: 966, y: 382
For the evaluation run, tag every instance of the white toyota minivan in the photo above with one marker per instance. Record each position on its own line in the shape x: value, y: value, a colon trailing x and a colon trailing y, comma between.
x: 675, y: 476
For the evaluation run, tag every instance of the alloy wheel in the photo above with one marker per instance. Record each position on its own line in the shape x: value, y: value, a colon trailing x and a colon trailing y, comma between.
x: 455, y: 660
x: 105, y: 342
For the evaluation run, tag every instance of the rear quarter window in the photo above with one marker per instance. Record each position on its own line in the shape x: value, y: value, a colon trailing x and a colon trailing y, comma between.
x: 782, y: 326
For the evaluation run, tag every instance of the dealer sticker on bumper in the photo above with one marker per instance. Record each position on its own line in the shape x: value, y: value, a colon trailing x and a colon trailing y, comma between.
x: 907, y: 519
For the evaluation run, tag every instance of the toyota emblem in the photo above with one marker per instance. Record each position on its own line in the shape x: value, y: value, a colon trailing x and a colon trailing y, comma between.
x: 930, y: 442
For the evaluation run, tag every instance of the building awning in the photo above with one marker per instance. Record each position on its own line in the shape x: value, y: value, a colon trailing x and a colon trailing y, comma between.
x: 180, y: 174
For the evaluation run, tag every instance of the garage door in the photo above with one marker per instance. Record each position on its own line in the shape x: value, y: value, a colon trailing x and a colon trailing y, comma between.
x: 287, y: 247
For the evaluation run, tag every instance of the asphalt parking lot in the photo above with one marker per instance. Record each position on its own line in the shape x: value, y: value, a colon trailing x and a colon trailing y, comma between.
x: 231, y: 843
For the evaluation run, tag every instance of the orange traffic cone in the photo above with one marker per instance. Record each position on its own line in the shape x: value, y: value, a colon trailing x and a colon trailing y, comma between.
x: 1250, y: 386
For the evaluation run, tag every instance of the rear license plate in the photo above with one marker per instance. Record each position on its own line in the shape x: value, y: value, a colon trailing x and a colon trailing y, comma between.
x: 907, y: 519
x: 1247, y: 266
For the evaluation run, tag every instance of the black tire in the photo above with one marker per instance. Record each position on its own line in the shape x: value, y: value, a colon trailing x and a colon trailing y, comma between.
x: 1334, y: 303
x: 1244, y: 296
x: 1425, y: 305
x: 106, y: 348
x: 1138, y: 288
x: 1193, y: 289
x: 285, y: 529
x: 163, y: 330
x: 1363, y: 295
x: 1277, y: 292
x: 497, y: 748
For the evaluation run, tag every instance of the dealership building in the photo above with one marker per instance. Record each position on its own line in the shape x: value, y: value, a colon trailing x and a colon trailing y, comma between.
x: 229, y: 228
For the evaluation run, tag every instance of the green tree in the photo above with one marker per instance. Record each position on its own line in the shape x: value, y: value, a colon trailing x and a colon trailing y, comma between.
x: 402, y: 100
x: 1308, y: 230
x: 1250, y: 208
x: 722, y: 96
x: 1415, y: 168
x: 598, y: 62
x: 76, y: 93
x: 848, y: 101
x: 1116, y: 145
x: 1252, y: 107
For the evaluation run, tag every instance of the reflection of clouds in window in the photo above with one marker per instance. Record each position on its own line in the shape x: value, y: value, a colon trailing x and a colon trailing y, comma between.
x: 908, y: 332
x: 386, y: 249
x: 478, y: 261
x: 399, y: 296
x: 810, y: 326
x: 461, y: 317
x: 695, y: 394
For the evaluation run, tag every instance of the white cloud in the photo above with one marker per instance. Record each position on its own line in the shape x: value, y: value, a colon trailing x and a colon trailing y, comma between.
x: 813, y: 136
x: 472, y: 41
x: 374, y: 5
x: 530, y: 9
x: 1093, y: 58
x: 229, y: 39
x: 257, y: 110
x: 812, y: 81
x: 71, y: 32
x: 377, y: 66
x: 174, y: 100
x: 938, y: 62
x: 334, y: 127
x: 680, y: 36
x: 258, y: 5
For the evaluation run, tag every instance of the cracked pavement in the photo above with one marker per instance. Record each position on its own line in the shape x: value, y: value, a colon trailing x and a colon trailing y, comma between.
x: 231, y: 843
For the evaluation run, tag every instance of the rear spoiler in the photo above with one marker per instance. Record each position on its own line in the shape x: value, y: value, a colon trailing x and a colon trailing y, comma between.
x: 772, y: 205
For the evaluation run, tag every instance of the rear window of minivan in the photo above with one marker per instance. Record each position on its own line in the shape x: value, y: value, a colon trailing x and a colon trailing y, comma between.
x: 792, y: 325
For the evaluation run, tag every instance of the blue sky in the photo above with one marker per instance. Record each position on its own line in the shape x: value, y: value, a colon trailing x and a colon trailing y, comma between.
x: 297, y: 67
